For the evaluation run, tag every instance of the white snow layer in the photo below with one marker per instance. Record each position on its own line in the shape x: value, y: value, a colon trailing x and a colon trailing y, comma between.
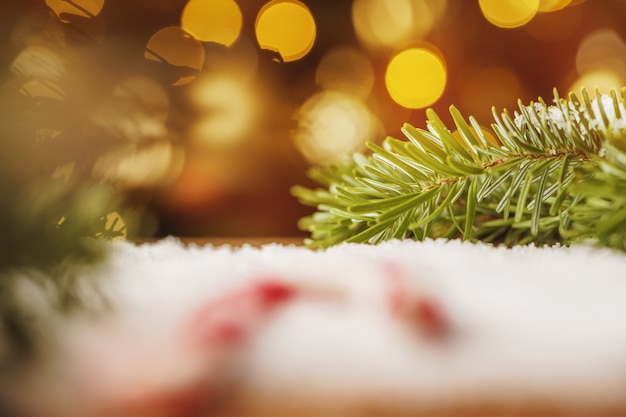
x: 525, y: 322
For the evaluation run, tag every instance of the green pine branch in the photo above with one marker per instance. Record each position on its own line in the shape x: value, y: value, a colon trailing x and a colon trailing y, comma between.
x: 553, y: 174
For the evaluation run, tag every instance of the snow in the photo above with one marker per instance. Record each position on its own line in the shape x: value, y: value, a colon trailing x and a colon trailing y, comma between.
x: 555, y: 116
x: 606, y: 104
x: 527, y: 322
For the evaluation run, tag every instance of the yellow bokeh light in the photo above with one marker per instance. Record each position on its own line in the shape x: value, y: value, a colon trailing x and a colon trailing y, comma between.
x: 134, y: 167
x: 286, y: 27
x: 601, y: 50
x: 39, y: 62
x: 416, y: 77
x: 228, y: 110
x: 331, y: 126
x: 509, y: 13
x: 218, y: 21
x: 83, y: 8
x: 601, y: 62
x: 347, y: 70
x: 386, y: 23
x: 553, y: 5
x: 604, y: 80
x: 174, y: 46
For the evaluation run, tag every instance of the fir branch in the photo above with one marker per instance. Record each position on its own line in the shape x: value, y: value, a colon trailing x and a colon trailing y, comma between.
x: 554, y: 174
x: 601, y: 187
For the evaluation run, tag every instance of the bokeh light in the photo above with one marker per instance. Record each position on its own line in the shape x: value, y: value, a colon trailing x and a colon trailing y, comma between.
x: 331, y: 126
x: 602, y: 49
x: 601, y: 61
x: 218, y: 21
x: 347, y: 70
x: 387, y: 23
x: 604, y: 80
x: 509, y: 13
x: 416, y: 77
x: 227, y: 108
x: 82, y: 8
x: 286, y: 27
x: 135, y: 166
x: 172, y: 45
x: 39, y: 62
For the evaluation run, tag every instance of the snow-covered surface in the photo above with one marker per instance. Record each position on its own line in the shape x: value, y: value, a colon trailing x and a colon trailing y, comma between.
x: 527, y: 322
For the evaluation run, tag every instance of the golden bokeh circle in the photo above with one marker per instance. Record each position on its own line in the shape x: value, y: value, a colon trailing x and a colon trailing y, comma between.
x: 286, y: 27
x: 388, y: 23
x: 218, y: 21
x: 509, y: 13
x: 332, y: 126
x: 416, y: 77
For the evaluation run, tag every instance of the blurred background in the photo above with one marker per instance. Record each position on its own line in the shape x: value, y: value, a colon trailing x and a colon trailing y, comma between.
x: 203, y: 113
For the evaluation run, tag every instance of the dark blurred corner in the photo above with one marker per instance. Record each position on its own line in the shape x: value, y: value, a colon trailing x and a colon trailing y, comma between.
x: 204, y: 113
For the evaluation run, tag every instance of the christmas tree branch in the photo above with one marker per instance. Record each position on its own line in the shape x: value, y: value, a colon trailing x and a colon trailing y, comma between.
x: 547, y: 176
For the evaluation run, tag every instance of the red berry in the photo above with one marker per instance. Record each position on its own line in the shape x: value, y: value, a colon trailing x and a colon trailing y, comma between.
x: 429, y: 317
x: 229, y: 319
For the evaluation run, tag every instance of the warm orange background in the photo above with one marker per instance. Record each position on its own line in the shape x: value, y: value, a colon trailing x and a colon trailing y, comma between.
x: 211, y: 128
